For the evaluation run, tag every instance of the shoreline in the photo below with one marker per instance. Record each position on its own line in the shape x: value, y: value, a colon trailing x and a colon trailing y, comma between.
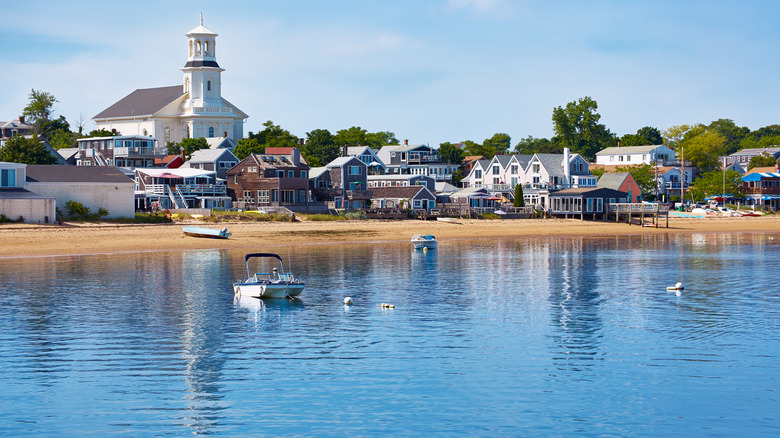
x: 72, y: 239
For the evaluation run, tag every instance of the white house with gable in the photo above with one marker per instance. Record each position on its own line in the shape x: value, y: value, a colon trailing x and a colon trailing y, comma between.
x: 635, y: 155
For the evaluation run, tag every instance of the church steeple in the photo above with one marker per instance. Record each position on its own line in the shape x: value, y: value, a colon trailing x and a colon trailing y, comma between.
x: 202, y: 74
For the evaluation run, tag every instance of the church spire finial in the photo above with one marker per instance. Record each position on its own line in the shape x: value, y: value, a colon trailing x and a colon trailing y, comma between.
x: 201, y: 18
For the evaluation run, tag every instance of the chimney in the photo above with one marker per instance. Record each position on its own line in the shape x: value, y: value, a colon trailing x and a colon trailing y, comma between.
x: 301, y: 141
x: 566, y: 170
x: 224, y: 134
x: 21, y: 119
x: 295, y: 155
x: 181, y: 152
x: 406, y: 142
x: 618, y: 144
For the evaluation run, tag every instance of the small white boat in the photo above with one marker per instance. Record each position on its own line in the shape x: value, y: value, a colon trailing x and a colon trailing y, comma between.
x: 424, y: 241
x: 209, y: 233
x: 274, y: 284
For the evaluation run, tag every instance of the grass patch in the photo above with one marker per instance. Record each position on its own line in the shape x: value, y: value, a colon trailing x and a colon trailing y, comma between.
x: 246, y: 216
x: 490, y: 216
x: 321, y: 217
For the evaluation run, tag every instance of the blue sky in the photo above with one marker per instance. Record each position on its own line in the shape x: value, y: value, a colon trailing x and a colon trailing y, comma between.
x: 429, y: 71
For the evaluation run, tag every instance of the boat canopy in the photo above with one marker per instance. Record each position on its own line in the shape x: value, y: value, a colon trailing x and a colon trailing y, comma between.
x: 261, y: 254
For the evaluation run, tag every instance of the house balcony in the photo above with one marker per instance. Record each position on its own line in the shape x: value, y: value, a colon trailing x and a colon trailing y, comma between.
x: 188, y: 190
x: 761, y: 190
x: 495, y: 187
x: 357, y: 195
x: 676, y: 185
x: 423, y: 158
x: 140, y: 152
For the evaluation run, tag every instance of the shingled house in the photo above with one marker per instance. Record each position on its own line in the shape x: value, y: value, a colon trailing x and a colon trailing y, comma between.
x: 278, y: 178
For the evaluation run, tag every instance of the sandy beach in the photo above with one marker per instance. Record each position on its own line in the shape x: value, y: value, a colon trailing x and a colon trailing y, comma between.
x: 24, y: 240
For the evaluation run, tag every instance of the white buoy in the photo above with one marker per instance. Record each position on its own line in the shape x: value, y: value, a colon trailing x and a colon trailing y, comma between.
x: 388, y: 306
x: 348, y: 301
x: 677, y: 287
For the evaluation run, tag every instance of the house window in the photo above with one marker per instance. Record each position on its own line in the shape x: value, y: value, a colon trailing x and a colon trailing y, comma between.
x: 599, y: 204
x: 589, y: 205
x: 263, y: 196
x: 301, y: 196
x: 280, y: 173
x: 235, y: 179
x: 478, y: 174
x: 417, y: 203
x: 247, y: 196
x: 496, y: 180
x: 290, y: 174
x: 513, y: 169
x: 303, y: 174
x: 496, y: 170
x: 288, y: 197
x: 8, y: 178
x: 354, y: 170
x: 211, y: 131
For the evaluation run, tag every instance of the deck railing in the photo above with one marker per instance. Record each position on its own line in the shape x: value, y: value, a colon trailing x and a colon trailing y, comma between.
x: 189, y: 189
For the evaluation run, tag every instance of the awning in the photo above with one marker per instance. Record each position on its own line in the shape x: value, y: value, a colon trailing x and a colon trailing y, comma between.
x: 167, y: 175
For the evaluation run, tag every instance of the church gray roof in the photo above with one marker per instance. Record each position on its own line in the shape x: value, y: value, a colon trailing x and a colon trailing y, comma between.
x: 142, y: 102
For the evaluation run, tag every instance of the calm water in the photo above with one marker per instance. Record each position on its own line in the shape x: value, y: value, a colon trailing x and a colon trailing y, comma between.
x: 547, y: 337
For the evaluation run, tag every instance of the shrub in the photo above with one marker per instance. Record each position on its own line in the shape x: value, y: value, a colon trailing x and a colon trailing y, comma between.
x: 322, y: 217
x: 4, y: 219
x: 355, y: 215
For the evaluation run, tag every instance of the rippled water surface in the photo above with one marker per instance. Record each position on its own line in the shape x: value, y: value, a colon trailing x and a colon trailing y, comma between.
x: 545, y: 337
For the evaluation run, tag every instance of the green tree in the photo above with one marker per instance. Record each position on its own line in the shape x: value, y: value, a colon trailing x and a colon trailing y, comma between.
x: 577, y: 127
x: 102, y: 132
x: 450, y: 153
x: 379, y: 139
x: 519, y: 200
x: 763, y: 137
x: 246, y: 146
x: 731, y: 132
x: 712, y: 183
x: 651, y: 135
x: 39, y: 109
x: 702, y: 147
x: 273, y: 136
x: 320, y: 148
x: 675, y: 134
x: 354, y: 136
x: 478, y: 149
x: 19, y: 149
x: 763, y: 160
x: 63, y: 139
x: 191, y: 145
x: 531, y: 145
x: 500, y: 143
x: 644, y: 175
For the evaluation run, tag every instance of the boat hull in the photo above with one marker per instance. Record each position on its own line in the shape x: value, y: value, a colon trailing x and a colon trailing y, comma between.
x: 268, y: 290
x: 429, y: 244
x: 207, y: 233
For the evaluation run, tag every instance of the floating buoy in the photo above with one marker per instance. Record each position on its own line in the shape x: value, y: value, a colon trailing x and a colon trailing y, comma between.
x: 388, y: 306
x: 678, y: 286
x: 348, y: 301
x: 425, y: 249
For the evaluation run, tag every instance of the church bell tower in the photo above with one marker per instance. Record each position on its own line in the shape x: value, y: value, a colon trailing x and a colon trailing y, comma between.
x: 202, y: 74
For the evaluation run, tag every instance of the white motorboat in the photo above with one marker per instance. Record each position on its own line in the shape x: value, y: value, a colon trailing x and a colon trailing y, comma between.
x: 424, y: 241
x: 208, y: 233
x: 274, y: 284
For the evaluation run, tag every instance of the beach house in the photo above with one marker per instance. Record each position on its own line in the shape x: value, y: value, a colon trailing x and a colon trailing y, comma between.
x: 17, y: 203
x: 622, y: 182
x: 341, y: 184
x: 278, y: 178
x: 584, y: 202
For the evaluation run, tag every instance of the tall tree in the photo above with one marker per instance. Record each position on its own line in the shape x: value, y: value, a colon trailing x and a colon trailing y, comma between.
x: 703, y: 146
x: 519, y: 200
x: 354, y: 136
x: 732, y: 133
x: 577, y: 127
x: 762, y: 137
x: 246, y: 146
x: 379, y: 139
x: 274, y: 136
x: 20, y: 149
x: 450, y: 153
x: 191, y: 145
x: 500, y: 143
x: 763, y: 160
x: 712, y: 183
x: 39, y: 109
x: 675, y: 134
x: 644, y: 136
x: 531, y: 145
x: 320, y: 148
x: 478, y: 149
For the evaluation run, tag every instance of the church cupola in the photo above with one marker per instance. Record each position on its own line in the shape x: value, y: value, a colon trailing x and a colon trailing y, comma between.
x: 202, y: 74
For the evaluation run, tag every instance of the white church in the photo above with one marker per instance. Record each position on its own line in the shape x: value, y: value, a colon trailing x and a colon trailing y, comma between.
x: 192, y: 110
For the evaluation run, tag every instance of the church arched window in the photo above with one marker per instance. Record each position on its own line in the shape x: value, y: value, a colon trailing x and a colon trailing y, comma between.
x: 208, y: 86
x: 197, y: 48
x: 207, y: 48
x: 211, y: 131
x: 167, y: 134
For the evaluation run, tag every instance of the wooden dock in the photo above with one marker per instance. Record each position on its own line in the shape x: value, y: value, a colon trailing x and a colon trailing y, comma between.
x: 641, y: 211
